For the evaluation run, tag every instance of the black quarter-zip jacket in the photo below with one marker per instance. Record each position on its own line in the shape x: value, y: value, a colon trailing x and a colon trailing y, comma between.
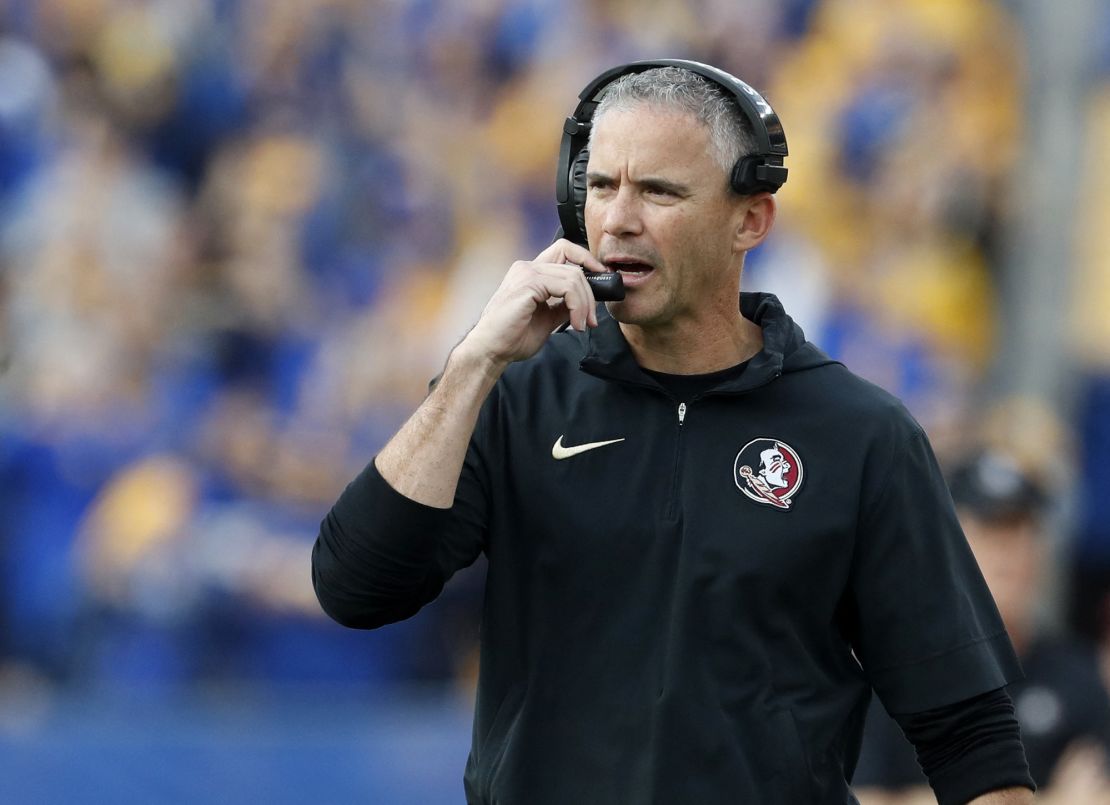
x: 657, y: 628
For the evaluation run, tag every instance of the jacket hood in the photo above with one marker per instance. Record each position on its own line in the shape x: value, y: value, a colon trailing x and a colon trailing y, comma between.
x: 785, y: 348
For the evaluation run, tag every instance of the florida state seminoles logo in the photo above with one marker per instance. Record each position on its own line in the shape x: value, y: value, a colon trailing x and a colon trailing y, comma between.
x: 769, y: 471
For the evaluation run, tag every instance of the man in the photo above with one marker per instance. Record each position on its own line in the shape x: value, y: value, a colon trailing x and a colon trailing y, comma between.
x: 1061, y: 704
x: 653, y: 631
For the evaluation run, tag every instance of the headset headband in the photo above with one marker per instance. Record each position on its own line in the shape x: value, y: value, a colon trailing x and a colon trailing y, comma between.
x: 760, y: 171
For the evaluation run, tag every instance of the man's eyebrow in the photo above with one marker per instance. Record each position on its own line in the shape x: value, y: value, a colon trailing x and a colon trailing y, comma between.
x: 649, y: 182
x: 666, y: 185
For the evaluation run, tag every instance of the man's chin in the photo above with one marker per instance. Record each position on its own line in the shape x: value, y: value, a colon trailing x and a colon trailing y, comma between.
x: 626, y: 312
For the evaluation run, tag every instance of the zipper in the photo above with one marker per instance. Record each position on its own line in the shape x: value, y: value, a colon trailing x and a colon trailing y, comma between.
x: 672, y: 504
x: 676, y: 479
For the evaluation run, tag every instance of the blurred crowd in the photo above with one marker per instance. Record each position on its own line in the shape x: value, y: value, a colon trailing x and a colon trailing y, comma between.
x: 238, y: 237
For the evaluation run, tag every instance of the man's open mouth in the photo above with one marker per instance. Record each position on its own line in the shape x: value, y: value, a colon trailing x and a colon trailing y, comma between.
x: 628, y: 266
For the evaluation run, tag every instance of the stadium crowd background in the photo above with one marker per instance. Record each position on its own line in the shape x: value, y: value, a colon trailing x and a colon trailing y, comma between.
x: 238, y: 237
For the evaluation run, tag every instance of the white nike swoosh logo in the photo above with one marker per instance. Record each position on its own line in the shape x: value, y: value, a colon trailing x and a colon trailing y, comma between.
x: 558, y: 452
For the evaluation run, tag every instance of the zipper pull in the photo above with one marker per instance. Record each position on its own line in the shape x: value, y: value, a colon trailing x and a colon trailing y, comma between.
x: 681, y: 413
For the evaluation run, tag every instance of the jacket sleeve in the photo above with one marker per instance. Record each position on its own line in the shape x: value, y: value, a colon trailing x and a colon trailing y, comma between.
x: 927, y: 631
x: 969, y: 748
x: 380, y: 556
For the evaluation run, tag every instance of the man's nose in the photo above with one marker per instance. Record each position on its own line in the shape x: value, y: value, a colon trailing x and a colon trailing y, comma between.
x: 623, y: 213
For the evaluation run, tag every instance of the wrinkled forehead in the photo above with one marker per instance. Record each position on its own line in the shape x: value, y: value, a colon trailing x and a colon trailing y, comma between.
x: 652, y: 137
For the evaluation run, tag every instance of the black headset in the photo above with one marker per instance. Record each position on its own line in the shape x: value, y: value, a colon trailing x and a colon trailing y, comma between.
x: 761, y: 171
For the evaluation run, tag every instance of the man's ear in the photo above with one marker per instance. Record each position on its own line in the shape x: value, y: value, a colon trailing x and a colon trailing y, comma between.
x: 758, y: 216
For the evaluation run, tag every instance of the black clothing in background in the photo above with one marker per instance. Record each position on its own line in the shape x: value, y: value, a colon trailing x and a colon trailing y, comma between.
x: 1061, y: 700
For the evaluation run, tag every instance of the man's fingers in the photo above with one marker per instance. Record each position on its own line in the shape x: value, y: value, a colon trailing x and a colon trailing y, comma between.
x: 569, y: 284
x: 564, y: 251
x: 561, y: 281
x: 532, y: 300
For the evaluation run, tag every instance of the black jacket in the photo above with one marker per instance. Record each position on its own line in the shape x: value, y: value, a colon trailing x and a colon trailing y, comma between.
x: 695, y: 613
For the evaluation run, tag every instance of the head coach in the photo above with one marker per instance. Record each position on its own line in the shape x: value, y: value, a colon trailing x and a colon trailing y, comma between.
x: 708, y: 543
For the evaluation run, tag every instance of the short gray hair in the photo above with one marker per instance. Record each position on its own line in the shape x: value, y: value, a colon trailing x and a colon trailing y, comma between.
x: 680, y: 89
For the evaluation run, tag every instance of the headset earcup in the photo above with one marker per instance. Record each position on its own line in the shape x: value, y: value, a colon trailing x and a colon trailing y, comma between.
x: 578, y: 189
x: 743, y: 175
x: 756, y: 174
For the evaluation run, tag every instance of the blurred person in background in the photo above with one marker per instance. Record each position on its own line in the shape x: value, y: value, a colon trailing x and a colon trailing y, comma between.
x: 665, y: 618
x: 1062, y: 705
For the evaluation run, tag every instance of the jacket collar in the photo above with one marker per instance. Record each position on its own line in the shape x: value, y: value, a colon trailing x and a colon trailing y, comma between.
x: 608, y: 355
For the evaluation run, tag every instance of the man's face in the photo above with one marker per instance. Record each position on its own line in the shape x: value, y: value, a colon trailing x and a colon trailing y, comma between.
x: 658, y: 208
x: 1009, y: 553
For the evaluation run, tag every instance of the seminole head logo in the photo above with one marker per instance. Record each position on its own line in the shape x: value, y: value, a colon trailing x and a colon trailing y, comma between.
x: 768, y: 471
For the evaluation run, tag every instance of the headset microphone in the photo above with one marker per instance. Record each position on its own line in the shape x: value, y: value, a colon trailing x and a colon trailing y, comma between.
x: 606, y: 287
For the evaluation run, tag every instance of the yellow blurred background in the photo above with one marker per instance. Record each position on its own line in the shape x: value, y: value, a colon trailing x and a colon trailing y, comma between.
x: 238, y: 237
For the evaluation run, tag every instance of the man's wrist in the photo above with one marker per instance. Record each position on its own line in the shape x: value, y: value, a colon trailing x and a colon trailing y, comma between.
x: 466, y: 358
